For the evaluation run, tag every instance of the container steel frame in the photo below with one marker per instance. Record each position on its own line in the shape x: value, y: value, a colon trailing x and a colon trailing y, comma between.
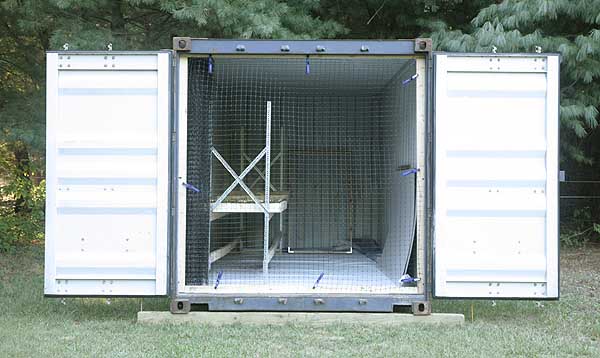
x: 182, y: 299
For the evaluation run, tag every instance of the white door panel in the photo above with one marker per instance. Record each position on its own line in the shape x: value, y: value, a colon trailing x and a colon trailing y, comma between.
x: 107, y: 174
x: 496, y: 170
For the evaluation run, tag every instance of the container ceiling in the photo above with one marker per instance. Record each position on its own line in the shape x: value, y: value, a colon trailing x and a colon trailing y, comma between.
x: 339, y: 74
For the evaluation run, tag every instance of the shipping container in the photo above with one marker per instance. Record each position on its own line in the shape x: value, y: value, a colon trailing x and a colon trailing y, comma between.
x: 321, y: 175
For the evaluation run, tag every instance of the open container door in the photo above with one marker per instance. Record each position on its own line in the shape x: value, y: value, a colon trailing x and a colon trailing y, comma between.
x: 107, y: 173
x: 496, y: 176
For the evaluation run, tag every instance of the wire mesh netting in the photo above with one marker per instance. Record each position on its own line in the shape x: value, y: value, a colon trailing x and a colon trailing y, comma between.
x: 331, y: 142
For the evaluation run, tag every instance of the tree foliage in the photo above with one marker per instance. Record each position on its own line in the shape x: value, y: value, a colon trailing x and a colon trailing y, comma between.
x: 28, y: 28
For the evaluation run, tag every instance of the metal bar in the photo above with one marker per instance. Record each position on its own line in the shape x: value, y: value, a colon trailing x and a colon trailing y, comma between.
x: 238, y: 179
x: 291, y: 47
x: 260, y: 173
x: 242, y: 154
x: 280, y: 156
x: 267, y: 190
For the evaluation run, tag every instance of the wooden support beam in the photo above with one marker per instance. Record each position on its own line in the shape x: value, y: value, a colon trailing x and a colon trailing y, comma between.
x: 221, y: 252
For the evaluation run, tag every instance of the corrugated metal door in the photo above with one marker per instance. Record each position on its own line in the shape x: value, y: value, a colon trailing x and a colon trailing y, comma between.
x: 107, y: 173
x: 496, y: 172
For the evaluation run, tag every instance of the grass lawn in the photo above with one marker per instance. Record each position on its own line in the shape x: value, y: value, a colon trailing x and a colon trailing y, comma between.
x: 34, y: 326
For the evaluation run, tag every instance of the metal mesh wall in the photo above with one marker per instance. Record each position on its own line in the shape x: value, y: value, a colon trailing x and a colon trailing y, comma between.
x: 198, y: 172
x: 342, y: 133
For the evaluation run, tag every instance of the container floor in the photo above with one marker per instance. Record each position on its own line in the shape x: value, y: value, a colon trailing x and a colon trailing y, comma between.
x: 298, y: 273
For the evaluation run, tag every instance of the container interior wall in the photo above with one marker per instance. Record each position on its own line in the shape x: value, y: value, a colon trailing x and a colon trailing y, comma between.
x: 342, y: 197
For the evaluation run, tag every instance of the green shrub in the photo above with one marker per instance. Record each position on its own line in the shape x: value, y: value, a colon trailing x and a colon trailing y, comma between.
x: 22, y: 196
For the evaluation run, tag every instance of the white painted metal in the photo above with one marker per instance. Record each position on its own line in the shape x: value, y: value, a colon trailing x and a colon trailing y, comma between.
x: 107, y: 174
x: 496, y: 158
x: 266, y: 256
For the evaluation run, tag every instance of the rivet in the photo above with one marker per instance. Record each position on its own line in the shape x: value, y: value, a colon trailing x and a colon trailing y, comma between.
x: 473, y: 252
x: 105, y: 65
x: 490, y: 284
x: 534, y: 284
x: 105, y: 57
x: 68, y: 57
x: 82, y: 239
x: 498, y: 284
x: 82, y: 250
x: 59, y: 65
x: 60, y: 57
x: 113, y: 65
x: 113, y: 57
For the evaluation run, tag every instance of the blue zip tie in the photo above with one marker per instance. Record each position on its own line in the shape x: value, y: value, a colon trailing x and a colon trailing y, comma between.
x: 210, y: 64
x: 318, y: 280
x: 409, y: 172
x: 409, y: 80
x: 408, y: 279
x: 191, y: 187
x: 219, y: 276
x: 307, y: 66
